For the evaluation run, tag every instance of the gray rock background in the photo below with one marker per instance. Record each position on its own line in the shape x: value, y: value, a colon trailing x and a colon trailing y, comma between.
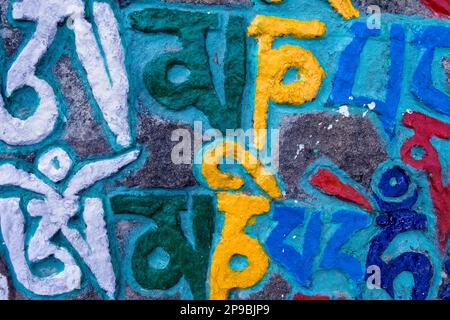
x: 406, y: 7
x: 82, y: 131
x: 352, y: 143
x: 158, y: 170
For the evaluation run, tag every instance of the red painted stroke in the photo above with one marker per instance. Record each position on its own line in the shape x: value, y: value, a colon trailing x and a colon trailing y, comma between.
x: 317, y: 297
x: 329, y: 183
x: 299, y: 296
x: 440, y: 8
x: 425, y: 128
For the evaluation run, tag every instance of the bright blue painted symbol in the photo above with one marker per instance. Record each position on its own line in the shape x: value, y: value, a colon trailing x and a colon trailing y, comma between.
x: 445, y: 291
x: 398, y: 217
x: 300, y: 265
x: 348, y: 65
x: 422, y: 85
x: 333, y: 258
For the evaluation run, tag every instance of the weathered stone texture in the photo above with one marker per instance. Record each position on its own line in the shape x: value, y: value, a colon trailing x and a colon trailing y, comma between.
x: 82, y: 131
x: 12, y: 37
x: 276, y: 288
x: 446, y: 66
x: 406, y: 7
x: 352, y: 143
x: 158, y: 170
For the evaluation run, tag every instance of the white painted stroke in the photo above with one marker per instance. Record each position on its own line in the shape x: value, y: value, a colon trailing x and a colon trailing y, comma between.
x: 55, y: 211
x: 110, y: 90
x: 13, y: 230
x: 34, y: 129
x: 95, y: 249
x: 107, y: 77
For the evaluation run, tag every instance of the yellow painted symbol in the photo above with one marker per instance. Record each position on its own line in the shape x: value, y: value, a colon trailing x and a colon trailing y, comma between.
x: 274, y: 63
x: 217, y: 179
x: 238, y: 209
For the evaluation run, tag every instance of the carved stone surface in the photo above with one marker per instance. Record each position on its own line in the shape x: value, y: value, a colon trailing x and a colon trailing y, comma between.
x: 345, y: 188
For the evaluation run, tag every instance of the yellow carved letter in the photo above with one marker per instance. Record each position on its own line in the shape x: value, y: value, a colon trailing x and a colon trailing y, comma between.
x: 238, y: 209
x: 219, y: 180
x: 345, y: 8
x: 273, y: 64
